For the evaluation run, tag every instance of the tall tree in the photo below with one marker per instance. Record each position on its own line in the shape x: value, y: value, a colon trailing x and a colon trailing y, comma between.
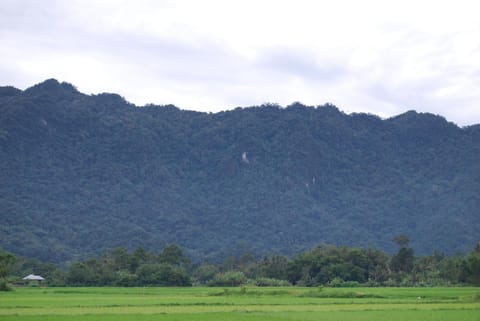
x: 404, y: 259
x: 472, y: 267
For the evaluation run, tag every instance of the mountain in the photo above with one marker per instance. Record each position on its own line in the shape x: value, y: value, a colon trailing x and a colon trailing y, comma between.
x: 81, y: 174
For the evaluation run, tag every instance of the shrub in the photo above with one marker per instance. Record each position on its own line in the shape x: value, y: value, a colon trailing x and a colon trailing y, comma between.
x: 4, y: 285
x: 232, y: 278
x: 271, y: 282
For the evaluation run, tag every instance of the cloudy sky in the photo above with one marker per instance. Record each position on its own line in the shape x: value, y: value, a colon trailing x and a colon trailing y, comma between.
x: 380, y: 57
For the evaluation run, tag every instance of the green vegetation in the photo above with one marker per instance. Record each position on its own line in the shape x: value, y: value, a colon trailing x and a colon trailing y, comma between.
x: 251, y: 303
x: 335, y: 267
x: 6, y: 262
x: 81, y: 175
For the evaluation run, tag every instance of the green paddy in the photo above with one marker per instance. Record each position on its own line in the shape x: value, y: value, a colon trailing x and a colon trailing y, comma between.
x: 250, y: 303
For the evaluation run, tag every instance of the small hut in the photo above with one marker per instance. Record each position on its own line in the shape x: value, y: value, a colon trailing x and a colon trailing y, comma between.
x: 33, y: 279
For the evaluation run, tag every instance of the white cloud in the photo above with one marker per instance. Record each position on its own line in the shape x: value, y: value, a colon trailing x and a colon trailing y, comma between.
x: 372, y: 56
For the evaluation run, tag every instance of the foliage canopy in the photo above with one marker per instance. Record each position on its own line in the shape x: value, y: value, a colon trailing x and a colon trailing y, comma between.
x: 80, y: 175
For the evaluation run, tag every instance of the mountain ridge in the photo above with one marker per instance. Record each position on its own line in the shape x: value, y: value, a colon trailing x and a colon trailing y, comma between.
x: 82, y: 174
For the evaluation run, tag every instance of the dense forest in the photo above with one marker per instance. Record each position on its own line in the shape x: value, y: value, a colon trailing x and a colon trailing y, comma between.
x: 322, y: 266
x: 83, y: 174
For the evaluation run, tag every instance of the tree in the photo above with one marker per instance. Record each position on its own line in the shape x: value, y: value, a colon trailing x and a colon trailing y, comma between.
x: 81, y: 274
x: 404, y: 259
x: 162, y: 275
x: 274, y: 267
x: 6, y: 262
x: 471, y: 267
x: 119, y: 259
x: 172, y: 254
x: 204, y: 273
x: 138, y: 257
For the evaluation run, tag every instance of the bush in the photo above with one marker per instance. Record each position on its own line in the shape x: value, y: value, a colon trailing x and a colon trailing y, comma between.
x: 125, y: 278
x: 271, y: 282
x: 4, y: 285
x: 232, y: 278
x: 339, y: 283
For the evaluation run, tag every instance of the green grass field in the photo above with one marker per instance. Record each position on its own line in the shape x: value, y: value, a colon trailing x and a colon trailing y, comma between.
x: 249, y: 304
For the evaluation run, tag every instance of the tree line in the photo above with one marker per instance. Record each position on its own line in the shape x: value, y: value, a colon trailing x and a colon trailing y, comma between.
x: 325, y: 265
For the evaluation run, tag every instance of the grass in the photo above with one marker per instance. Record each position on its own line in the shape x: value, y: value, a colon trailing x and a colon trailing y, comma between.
x: 290, y: 303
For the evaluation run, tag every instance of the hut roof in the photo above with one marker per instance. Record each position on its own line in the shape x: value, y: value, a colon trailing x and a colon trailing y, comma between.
x: 33, y: 277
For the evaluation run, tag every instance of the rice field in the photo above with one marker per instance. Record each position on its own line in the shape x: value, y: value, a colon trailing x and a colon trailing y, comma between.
x: 239, y: 304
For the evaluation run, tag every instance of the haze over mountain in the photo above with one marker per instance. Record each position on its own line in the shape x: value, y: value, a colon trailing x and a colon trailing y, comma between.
x: 82, y: 174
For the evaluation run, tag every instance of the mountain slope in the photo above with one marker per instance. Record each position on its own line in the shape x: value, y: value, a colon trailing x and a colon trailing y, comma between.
x: 81, y: 174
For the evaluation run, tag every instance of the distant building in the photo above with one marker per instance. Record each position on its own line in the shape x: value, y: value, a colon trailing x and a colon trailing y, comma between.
x: 33, y: 278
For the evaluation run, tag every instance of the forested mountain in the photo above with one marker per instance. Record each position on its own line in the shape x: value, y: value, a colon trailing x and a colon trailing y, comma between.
x: 82, y: 174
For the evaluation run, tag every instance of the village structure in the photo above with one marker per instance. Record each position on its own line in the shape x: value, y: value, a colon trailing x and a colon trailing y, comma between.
x: 33, y: 279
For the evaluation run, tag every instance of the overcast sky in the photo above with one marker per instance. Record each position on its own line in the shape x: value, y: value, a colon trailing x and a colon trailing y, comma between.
x: 380, y: 57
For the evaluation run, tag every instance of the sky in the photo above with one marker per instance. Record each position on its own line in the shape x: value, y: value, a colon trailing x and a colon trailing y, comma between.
x: 378, y: 57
